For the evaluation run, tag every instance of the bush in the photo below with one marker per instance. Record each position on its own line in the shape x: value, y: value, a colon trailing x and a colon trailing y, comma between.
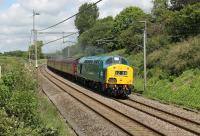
x: 23, y: 105
x: 12, y: 126
x: 182, y: 56
x: 157, y: 42
x: 10, y: 80
x: 5, y: 94
x: 155, y: 58
x: 19, y: 79
x: 49, y: 132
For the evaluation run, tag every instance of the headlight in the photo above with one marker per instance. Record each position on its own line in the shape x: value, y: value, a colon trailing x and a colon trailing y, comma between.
x: 112, y: 80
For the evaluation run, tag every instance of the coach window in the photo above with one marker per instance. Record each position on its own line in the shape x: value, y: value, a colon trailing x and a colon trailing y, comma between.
x: 81, y: 69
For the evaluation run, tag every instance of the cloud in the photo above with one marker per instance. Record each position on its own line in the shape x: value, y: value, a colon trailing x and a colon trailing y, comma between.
x: 16, y: 20
x: 113, y: 7
x: 45, y: 6
x: 14, y: 16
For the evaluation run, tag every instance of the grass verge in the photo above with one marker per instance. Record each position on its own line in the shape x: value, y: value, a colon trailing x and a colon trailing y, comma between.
x: 183, y: 90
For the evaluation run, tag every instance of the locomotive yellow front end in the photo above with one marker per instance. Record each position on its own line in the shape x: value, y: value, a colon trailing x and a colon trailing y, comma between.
x: 119, y: 78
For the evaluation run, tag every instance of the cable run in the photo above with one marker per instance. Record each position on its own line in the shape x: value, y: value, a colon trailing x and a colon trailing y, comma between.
x: 60, y: 38
x: 70, y: 16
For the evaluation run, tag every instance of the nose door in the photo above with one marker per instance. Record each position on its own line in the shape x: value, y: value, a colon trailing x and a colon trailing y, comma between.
x: 121, y: 74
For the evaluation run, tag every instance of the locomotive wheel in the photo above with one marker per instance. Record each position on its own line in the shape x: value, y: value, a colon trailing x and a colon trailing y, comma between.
x: 113, y: 93
x: 124, y: 95
x: 100, y: 87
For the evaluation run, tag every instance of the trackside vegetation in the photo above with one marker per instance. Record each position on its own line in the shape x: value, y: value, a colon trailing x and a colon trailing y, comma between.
x: 20, y: 103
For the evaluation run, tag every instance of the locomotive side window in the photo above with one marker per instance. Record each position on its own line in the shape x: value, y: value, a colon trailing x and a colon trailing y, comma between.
x: 124, y: 61
x: 109, y: 61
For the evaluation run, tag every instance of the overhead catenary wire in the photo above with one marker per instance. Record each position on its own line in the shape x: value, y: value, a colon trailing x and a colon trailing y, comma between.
x: 71, y: 16
x: 55, y: 33
x: 60, y: 38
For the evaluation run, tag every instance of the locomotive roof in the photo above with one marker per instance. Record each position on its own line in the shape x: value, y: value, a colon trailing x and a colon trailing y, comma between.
x: 96, y: 58
x: 100, y: 58
x: 65, y: 60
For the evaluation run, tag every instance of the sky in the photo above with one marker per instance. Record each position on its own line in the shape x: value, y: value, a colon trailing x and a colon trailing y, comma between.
x: 16, y: 19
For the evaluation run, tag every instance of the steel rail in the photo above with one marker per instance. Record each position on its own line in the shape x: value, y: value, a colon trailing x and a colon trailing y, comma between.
x: 171, y: 118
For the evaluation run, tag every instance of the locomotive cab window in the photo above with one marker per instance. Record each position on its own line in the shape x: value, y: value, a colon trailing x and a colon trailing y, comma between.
x: 116, y: 60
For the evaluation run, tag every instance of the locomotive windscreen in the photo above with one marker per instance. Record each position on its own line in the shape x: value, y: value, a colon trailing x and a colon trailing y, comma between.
x: 116, y: 60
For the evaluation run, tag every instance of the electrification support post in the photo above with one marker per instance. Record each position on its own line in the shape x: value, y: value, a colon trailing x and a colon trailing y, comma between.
x: 145, y: 57
x: 0, y: 72
x: 63, y: 34
x: 29, y: 56
x: 35, y: 37
x: 36, y: 54
x: 68, y: 53
x: 145, y: 54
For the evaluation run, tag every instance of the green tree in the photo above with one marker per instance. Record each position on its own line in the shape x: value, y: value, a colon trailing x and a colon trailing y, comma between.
x: 127, y: 17
x: 131, y: 38
x: 179, y: 4
x: 159, y: 8
x: 127, y: 29
x: 17, y: 53
x: 157, y: 34
x: 87, y: 17
x: 185, y: 23
x: 101, y: 31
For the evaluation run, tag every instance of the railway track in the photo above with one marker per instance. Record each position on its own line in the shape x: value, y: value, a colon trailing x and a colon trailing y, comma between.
x: 111, y: 115
x: 172, y: 118
x: 126, y: 121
